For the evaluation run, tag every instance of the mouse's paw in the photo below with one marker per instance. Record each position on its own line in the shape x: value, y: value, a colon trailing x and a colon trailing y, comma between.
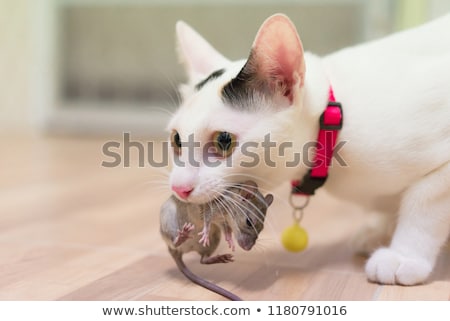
x: 184, y: 234
x: 223, y: 258
x: 204, y: 240
x: 229, y: 239
x: 231, y: 245
x: 187, y: 228
x: 386, y: 266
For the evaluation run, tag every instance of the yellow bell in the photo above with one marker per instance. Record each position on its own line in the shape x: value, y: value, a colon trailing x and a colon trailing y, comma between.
x: 294, y: 238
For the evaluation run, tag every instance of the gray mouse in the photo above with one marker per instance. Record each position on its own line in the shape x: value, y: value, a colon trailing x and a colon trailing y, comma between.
x: 182, y: 226
x: 241, y: 206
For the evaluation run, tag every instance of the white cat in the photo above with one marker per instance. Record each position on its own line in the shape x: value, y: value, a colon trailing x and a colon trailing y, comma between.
x: 395, y: 95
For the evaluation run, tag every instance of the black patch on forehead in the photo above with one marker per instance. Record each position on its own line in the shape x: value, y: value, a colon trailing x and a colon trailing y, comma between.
x: 244, y: 91
x: 216, y: 74
x: 238, y: 92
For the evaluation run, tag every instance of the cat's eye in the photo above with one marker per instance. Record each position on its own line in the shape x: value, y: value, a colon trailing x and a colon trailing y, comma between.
x: 176, y: 142
x: 224, y: 143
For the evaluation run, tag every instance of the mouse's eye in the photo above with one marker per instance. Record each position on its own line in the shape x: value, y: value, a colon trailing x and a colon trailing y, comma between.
x: 176, y: 142
x: 224, y: 143
x: 249, y: 222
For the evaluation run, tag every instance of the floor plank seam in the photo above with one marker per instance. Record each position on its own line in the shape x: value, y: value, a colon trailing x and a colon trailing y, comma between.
x: 377, y: 293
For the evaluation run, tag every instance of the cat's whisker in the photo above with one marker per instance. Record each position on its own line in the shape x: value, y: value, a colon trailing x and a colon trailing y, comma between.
x: 250, y: 176
x: 255, y: 213
x: 259, y: 247
x: 249, y: 203
x: 159, y: 179
x: 277, y: 196
x: 161, y: 172
x: 227, y: 208
x: 163, y: 110
x: 264, y: 240
x: 175, y: 88
x: 242, y: 209
x: 232, y: 208
x: 175, y: 100
x: 263, y: 190
x: 227, y: 211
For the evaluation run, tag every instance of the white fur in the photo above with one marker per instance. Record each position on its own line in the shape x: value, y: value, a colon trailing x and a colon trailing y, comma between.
x: 395, y: 94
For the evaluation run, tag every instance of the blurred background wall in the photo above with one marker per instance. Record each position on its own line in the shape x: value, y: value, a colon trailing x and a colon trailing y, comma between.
x: 109, y: 66
x: 15, y: 65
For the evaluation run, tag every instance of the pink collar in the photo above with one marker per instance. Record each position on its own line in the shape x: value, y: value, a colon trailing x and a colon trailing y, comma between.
x: 330, y: 123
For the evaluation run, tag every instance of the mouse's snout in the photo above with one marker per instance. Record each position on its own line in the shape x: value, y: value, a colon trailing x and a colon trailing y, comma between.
x: 246, y: 242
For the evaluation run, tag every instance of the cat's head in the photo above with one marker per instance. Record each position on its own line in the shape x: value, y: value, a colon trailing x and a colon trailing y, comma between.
x: 230, y: 109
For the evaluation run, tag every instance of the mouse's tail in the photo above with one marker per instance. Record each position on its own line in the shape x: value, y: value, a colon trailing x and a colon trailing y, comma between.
x: 199, y: 281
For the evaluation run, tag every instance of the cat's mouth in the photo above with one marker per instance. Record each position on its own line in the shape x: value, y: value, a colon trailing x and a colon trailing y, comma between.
x: 200, y: 199
x: 199, y: 194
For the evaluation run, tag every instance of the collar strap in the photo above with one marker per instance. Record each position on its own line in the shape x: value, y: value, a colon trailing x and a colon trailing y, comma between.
x: 330, y: 123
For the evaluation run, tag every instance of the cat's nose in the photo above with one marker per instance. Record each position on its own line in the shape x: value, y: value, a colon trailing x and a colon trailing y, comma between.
x: 182, y: 191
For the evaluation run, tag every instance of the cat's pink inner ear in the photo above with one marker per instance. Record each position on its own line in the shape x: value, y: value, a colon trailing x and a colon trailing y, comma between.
x: 279, y: 53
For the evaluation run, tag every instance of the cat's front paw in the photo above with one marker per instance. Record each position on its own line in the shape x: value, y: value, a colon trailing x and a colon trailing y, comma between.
x: 387, y: 266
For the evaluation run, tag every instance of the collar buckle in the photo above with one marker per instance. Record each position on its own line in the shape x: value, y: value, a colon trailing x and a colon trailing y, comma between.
x: 331, y: 118
x: 330, y: 122
x: 308, y: 185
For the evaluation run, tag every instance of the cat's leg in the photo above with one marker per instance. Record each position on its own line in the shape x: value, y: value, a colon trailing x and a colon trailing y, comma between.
x: 422, y: 228
x: 376, y: 232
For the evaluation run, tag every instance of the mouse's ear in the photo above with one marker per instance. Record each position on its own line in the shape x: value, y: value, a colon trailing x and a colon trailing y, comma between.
x: 269, y: 199
x: 248, y: 189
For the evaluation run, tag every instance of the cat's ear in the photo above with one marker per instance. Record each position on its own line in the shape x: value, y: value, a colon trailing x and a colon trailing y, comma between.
x: 276, y: 66
x: 199, y: 57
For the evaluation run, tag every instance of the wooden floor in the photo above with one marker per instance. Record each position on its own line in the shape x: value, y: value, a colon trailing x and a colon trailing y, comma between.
x: 71, y: 229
